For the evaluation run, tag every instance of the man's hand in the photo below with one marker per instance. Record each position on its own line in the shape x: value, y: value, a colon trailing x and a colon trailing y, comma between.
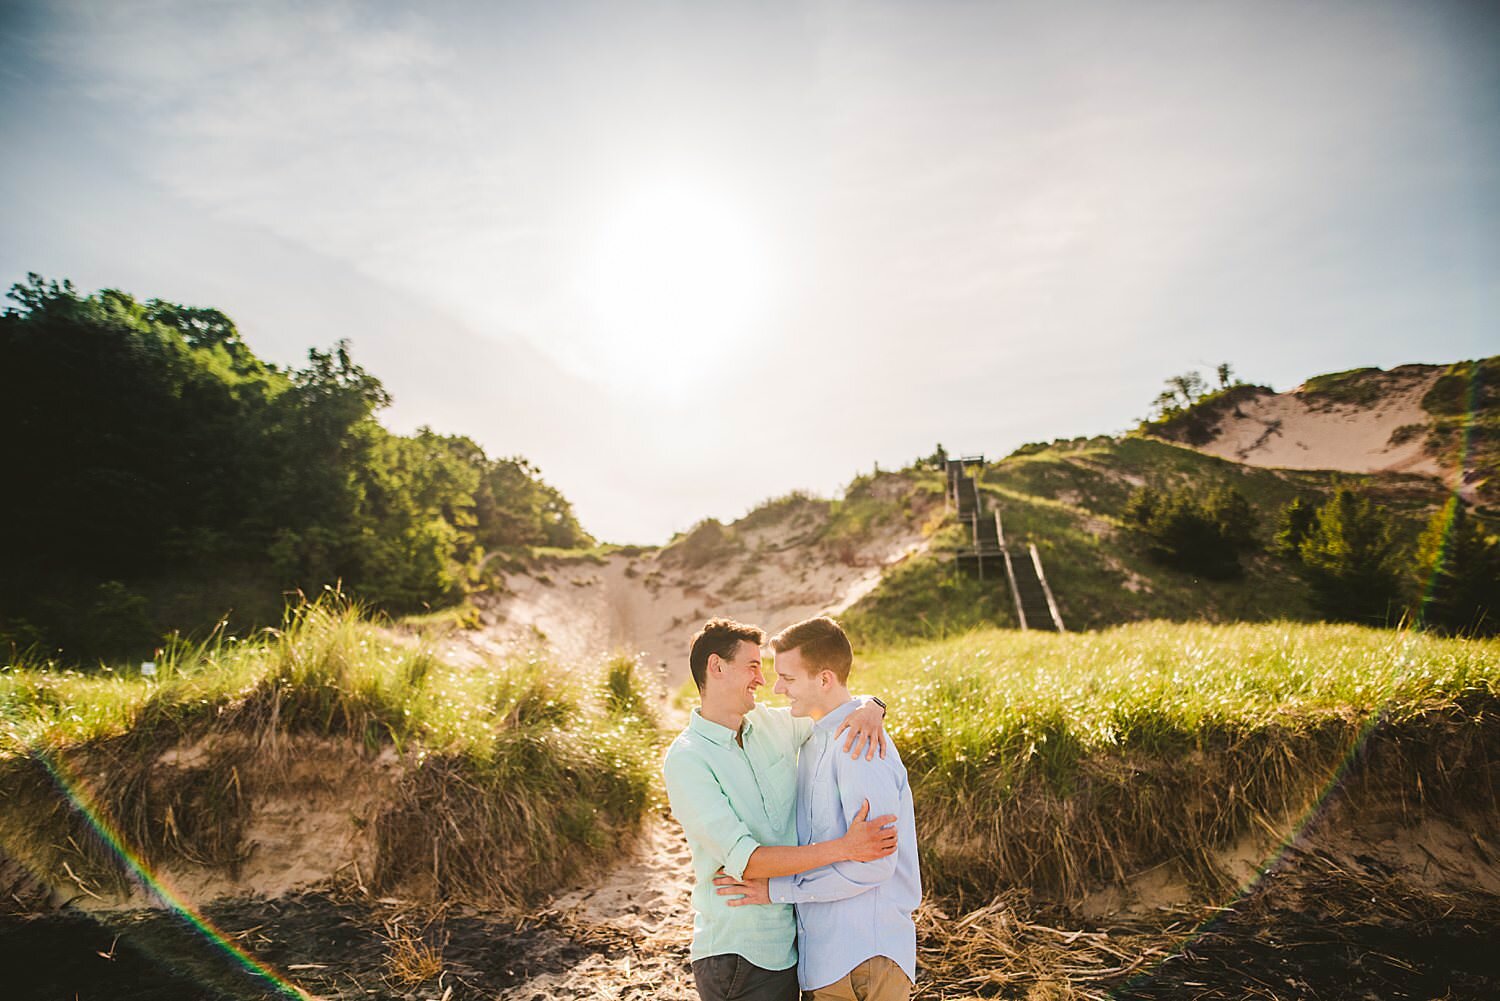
x: 866, y: 726
x: 868, y: 840
x: 748, y: 891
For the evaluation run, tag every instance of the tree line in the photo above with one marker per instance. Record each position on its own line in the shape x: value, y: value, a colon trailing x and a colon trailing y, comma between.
x: 1346, y: 548
x: 146, y: 444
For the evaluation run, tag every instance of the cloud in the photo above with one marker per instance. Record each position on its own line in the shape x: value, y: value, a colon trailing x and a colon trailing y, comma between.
x: 982, y: 223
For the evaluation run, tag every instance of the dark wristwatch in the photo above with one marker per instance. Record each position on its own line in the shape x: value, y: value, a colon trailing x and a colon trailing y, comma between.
x: 884, y: 709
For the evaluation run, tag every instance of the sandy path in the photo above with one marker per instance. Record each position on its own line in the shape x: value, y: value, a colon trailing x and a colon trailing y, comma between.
x: 640, y: 912
x: 648, y: 603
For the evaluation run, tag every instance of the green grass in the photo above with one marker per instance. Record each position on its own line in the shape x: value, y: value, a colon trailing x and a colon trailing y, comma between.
x: 525, y: 760
x: 1357, y: 386
x: 1159, y: 687
x: 926, y: 599
x: 1061, y: 761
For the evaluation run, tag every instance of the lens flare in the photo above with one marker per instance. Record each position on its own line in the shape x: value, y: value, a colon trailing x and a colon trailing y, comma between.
x: 82, y: 801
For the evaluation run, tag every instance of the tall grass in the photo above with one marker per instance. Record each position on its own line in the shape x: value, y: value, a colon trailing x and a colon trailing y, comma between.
x: 1060, y: 761
x: 515, y: 775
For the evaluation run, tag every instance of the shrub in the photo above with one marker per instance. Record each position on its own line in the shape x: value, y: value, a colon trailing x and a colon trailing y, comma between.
x: 1297, y: 521
x: 1357, y: 386
x: 1352, y: 560
x: 1202, y: 535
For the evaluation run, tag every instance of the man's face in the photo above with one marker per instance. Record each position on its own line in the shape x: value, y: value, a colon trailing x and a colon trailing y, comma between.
x: 741, y: 675
x: 803, y: 690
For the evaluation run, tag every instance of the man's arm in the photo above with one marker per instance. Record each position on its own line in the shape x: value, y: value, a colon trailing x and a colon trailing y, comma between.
x: 866, y: 840
x: 704, y: 811
x: 877, y: 782
x: 866, y: 726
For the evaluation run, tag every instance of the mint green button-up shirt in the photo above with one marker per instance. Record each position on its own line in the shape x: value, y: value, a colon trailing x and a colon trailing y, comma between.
x: 731, y: 800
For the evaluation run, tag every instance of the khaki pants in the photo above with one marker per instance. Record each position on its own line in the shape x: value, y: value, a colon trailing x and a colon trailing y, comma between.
x: 876, y: 979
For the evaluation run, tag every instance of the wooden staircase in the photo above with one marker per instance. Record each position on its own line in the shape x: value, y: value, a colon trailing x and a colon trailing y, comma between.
x: 988, y: 554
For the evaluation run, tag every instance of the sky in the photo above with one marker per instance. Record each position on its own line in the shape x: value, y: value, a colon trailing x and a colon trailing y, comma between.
x: 685, y: 257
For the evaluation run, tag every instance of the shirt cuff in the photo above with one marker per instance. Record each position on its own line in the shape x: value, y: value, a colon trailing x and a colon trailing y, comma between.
x: 780, y: 890
x: 739, y: 857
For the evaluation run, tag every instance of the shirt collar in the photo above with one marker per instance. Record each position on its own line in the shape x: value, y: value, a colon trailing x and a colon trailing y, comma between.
x: 830, y: 722
x: 716, y: 732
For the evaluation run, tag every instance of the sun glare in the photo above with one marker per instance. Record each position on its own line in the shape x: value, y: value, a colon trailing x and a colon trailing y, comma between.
x: 676, y: 283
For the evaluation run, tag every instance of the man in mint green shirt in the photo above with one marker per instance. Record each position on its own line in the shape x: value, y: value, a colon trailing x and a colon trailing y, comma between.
x: 731, y: 777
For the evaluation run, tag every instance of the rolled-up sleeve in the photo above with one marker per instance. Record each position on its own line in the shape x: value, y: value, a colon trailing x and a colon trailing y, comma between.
x: 858, y: 780
x: 703, y: 809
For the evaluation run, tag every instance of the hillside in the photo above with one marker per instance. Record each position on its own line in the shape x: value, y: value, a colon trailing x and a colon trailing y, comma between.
x: 787, y: 559
x: 1407, y: 438
x: 1439, y: 420
x: 882, y: 556
x: 1069, y: 498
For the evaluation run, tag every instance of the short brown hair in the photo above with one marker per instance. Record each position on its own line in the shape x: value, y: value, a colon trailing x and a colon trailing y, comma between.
x: 722, y: 637
x: 824, y: 645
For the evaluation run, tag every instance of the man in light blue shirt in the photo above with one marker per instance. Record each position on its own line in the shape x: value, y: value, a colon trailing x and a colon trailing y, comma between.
x: 856, y: 937
x: 731, y: 779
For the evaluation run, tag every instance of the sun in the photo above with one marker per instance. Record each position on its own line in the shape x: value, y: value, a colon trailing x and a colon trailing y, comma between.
x: 675, y: 283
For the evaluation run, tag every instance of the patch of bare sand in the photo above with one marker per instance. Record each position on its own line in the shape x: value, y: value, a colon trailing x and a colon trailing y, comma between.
x: 648, y: 604
x: 310, y: 807
x: 1296, y: 431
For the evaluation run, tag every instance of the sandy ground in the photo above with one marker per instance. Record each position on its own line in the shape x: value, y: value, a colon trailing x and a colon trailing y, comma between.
x: 1293, y: 431
x: 641, y: 908
x: 650, y: 604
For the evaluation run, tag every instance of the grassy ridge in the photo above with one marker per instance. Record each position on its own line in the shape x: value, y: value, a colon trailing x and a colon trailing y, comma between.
x: 1069, y: 499
x: 514, y: 776
x: 1062, y: 761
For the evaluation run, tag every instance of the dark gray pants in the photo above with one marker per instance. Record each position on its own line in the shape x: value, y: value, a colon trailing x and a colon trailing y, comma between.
x: 735, y: 978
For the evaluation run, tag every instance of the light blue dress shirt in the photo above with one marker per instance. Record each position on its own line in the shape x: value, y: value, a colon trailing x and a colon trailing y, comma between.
x: 848, y: 912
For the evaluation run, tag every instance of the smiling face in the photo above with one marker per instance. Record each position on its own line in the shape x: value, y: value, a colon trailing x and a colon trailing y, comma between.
x: 735, y: 680
x: 806, y: 690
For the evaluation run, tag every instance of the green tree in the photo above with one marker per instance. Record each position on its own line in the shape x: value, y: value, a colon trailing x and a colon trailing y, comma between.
x: 1457, y: 573
x: 516, y: 508
x: 1297, y: 521
x: 1353, y: 560
x: 1187, y: 389
x: 937, y: 460
x: 151, y: 454
x: 1142, y: 506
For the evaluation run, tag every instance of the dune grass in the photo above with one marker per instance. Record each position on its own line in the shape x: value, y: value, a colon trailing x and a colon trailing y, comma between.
x: 1062, y: 761
x: 526, y: 769
x: 1002, y: 696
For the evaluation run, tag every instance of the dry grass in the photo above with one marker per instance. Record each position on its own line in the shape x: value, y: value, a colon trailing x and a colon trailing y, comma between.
x: 410, y: 959
x: 512, y: 779
x: 995, y: 950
